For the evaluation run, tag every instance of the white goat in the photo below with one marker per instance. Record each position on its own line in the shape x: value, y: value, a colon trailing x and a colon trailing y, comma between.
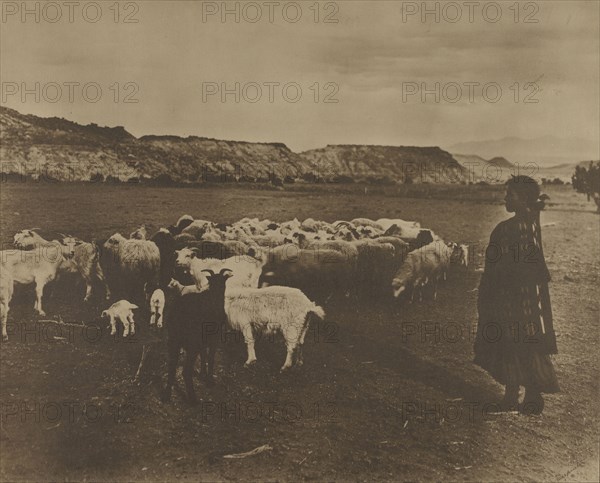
x: 38, y: 267
x: 268, y: 310
x: 83, y: 257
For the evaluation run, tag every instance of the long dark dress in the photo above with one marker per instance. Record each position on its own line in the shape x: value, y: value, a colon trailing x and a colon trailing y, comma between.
x: 515, y: 333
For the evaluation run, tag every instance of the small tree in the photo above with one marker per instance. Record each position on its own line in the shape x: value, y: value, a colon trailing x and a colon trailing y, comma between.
x: 587, y: 181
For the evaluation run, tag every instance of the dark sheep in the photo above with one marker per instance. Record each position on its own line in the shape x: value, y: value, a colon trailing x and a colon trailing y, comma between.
x: 165, y: 242
x: 195, y: 323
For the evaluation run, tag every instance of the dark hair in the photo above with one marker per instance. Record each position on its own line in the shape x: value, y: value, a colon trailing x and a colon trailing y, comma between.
x: 528, y: 190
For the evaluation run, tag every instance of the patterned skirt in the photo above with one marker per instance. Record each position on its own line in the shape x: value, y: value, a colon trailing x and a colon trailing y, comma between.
x: 532, y: 370
x: 514, y: 347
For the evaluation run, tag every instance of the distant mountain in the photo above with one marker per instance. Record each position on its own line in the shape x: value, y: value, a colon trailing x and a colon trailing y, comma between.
x: 64, y: 150
x: 544, y: 151
x: 501, y: 162
x: 495, y: 170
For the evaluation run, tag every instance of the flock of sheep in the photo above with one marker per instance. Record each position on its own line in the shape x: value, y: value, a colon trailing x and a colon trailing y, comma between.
x: 252, y: 276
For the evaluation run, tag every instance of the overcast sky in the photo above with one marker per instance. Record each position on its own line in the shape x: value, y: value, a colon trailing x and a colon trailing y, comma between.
x: 371, y: 55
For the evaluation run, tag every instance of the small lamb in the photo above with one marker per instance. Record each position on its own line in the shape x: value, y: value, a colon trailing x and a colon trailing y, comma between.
x: 123, y: 311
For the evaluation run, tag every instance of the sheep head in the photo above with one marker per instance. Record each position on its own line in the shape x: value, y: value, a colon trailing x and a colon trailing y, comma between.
x: 185, y: 256
x: 28, y: 239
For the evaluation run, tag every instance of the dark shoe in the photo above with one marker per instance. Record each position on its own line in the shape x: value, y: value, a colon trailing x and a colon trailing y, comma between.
x: 532, y: 406
x: 508, y: 405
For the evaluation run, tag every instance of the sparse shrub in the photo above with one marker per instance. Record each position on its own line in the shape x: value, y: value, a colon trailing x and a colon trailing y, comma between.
x: 587, y: 181
x: 342, y: 179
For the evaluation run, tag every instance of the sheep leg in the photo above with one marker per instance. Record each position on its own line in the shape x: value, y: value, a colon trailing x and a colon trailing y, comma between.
x: 249, y: 339
x: 145, y: 351
x: 173, y: 358
x: 131, y: 323
x: 300, y: 359
x: 188, y: 371
x: 113, y: 325
x: 210, y: 378
x: 125, y: 322
x: 39, y: 293
x: 100, y: 276
x: 4, y: 316
x: 203, y: 363
x: 88, y: 291
x: 289, y: 358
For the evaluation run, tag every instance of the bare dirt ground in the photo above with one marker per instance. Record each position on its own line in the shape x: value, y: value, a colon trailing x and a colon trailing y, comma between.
x: 386, y: 393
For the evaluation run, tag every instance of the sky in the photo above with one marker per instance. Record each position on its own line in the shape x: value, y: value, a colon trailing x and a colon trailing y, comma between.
x: 346, y: 72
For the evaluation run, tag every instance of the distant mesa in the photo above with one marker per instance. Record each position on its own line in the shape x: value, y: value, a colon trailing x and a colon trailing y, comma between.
x: 34, y: 146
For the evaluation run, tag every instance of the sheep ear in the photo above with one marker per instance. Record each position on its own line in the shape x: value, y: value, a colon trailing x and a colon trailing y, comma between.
x: 223, y: 270
x: 208, y: 270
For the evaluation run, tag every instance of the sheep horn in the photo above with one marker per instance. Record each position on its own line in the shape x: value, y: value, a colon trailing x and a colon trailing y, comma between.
x: 343, y: 223
x: 208, y: 270
x: 223, y: 270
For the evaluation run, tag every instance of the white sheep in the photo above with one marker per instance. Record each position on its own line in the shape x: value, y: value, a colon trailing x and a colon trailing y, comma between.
x: 409, y: 226
x: 123, y: 312
x: 184, y: 289
x: 246, y: 270
x: 364, y: 222
x: 139, y: 234
x: 131, y: 263
x: 423, y: 267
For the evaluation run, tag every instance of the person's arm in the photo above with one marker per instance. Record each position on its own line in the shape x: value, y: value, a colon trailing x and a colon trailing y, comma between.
x: 488, y: 283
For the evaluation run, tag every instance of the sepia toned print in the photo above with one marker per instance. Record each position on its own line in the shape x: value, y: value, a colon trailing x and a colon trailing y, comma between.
x: 311, y: 240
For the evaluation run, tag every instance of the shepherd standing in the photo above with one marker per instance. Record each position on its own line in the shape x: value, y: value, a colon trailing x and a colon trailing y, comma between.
x: 515, y: 334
